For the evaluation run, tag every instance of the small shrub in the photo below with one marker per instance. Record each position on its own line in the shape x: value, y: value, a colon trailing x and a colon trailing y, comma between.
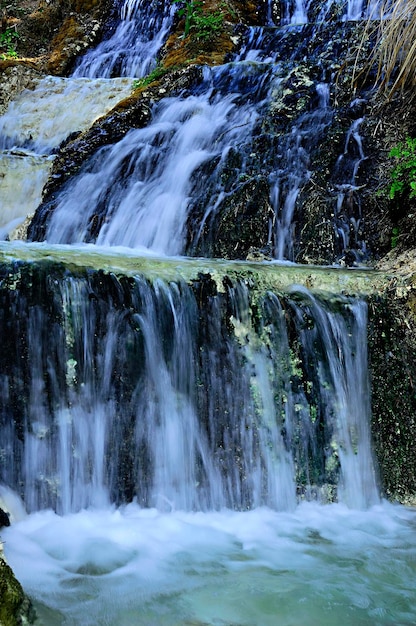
x: 188, y: 10
x: 403, y: 175
x: 8, y: 44
x: 204, y: 24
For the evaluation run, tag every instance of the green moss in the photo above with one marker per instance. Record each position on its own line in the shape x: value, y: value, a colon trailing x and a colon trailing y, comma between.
x: 11, y: 596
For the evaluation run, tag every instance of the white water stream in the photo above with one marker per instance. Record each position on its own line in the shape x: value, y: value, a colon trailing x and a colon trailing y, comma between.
x: 33, y: 127
x: 143, y: 183
x: 132, y: 48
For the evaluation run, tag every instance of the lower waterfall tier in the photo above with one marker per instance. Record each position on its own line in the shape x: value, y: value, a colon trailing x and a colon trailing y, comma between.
x: 190, y: 395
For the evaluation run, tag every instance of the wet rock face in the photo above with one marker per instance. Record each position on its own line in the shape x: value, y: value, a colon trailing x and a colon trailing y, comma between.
x: 241, y: 223
x: 76, y: 34
x: 4, y: 519
x: 392, y: 349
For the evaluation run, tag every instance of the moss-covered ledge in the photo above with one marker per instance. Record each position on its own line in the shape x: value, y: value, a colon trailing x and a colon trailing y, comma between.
x: 258, y: 275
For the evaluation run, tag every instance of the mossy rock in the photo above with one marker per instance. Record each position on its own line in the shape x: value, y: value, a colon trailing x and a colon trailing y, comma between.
x: 15, y: 608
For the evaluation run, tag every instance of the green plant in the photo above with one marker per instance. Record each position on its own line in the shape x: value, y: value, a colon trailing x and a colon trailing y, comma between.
x: 188, y: 10
x: 155, y: 74
x: 205, y: 24
x: 394, y: 237
x: 403, y: 175
x: 7, y: 42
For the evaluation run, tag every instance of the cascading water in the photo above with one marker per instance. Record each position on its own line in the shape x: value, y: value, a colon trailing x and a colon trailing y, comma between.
x: 194, y: 450
x: 33, y: 127
x: 218, y: 419
x: 167, y: 187
x: 139, y: 189
x: 132, y: 48
x: 348, y: 214
x: 40, y: 119
x: 344, y: 375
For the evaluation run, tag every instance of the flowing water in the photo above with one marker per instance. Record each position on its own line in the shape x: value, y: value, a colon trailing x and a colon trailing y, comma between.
x: 152, y: 170
x: 131, y: 50
x: 182, y: 397
x: 190, y: 449
x: 36, y: 123
x: 180, y: 446
x: 200, y: 150
x: 33, y: 127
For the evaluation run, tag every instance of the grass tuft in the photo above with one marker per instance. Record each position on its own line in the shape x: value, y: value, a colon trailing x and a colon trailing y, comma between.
x: 395, y: 46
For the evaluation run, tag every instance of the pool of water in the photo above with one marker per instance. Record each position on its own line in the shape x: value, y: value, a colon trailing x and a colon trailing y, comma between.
x: 318, y: 565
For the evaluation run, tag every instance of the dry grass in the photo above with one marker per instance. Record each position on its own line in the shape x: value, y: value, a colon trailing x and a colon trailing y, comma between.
x: 395, y: 47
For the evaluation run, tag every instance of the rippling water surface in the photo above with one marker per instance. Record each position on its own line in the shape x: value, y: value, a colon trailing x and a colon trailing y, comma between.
x: 320, y: 565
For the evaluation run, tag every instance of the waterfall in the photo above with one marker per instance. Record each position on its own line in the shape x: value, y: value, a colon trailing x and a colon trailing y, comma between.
x: 140, y: 188
x: 187, y: 441
x: 159, y: 393
x: 167, y: 187
x: 174, y: 442
x: 344, y: 384
x: 347, y: 213
x: 287, y: 183
x: 144, y: 190
x: 132, y: 48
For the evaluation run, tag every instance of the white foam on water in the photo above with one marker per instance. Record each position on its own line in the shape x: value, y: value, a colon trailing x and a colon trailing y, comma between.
x: 317, y: 565
x: 23, y: 176
x: 45, y: 116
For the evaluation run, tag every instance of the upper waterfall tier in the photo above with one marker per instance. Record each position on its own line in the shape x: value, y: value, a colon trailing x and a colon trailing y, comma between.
x: 261, y: 153
x: 228, y: 162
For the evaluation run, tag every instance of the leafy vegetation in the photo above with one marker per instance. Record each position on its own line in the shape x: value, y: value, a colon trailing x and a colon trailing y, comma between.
x: 8, y: 43
x: 208, y: 25
x: 204, y: 24
x: 155, y: 74
x: 403, y: 175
